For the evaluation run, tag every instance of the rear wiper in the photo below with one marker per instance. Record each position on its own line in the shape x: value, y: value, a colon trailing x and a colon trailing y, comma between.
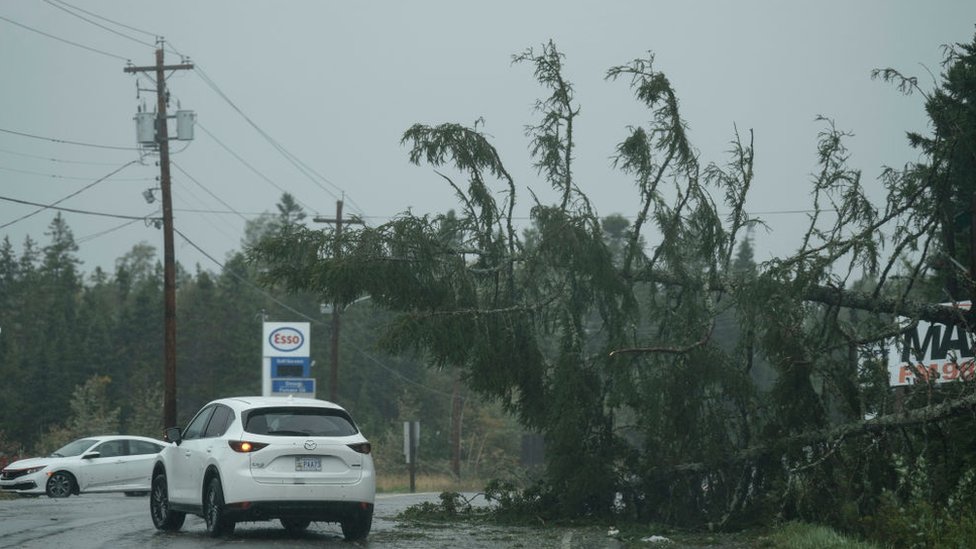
x: 292, y: 433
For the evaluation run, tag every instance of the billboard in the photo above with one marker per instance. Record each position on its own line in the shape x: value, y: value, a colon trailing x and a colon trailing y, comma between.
x: 931, y: 352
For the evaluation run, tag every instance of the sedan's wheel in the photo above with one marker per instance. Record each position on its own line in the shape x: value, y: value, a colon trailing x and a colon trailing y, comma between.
x: 295, y: 526
x: 163, y: 517
x: 357, y: 525
x: 60, y: 485
x: 213, y: 510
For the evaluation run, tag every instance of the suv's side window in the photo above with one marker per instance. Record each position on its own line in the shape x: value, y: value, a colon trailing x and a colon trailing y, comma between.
x: 221, y: 420
x: 196, y: 427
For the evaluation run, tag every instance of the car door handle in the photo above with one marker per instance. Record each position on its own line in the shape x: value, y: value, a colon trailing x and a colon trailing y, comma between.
x: 187, y: 454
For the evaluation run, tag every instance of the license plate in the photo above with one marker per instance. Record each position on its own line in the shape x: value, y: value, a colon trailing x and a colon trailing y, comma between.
x: 308, y: 464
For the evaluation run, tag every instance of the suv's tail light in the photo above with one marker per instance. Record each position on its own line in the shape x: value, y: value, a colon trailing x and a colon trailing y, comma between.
x: 362, y: 447
x: 244, y: 446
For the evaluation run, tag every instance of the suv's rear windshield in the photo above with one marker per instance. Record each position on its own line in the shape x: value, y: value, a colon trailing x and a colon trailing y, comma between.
x: 299, y: 421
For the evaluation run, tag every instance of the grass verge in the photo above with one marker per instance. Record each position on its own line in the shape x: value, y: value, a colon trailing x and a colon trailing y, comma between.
x: 400, y: 483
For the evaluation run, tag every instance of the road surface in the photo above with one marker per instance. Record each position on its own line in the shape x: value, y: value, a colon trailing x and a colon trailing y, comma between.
x: 103, y: 521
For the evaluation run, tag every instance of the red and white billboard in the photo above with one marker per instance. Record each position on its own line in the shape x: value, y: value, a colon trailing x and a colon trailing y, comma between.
x: 931, y: 352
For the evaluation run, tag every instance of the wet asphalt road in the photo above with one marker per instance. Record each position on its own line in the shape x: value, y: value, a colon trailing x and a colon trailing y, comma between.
x: 115, y: 521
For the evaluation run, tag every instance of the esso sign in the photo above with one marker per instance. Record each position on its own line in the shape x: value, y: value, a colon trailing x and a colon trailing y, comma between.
x: 291, y: 339
x: 286, y: 339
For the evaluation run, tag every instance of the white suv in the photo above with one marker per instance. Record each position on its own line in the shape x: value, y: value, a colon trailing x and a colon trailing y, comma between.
x: 261, y: 458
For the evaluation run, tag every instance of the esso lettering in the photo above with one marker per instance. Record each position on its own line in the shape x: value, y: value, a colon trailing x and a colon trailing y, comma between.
x: 286, y: 339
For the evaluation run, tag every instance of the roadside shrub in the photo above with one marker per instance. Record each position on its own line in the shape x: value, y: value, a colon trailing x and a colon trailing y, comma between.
x: 797, y: 535
x: 533, y: 504
x: 10, y: 450
x: 451, y: 506
x: 912, y: 518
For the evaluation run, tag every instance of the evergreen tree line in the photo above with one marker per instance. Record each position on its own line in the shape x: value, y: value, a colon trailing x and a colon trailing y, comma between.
x: 82, y: 354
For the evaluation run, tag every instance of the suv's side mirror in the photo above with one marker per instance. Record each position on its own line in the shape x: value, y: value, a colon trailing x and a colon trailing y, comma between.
x: 91, y: 455
x: 174, y: 434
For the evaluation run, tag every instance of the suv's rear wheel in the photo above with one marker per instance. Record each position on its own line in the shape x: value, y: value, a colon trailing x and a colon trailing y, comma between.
x: 163, y: 517
x: 357, y: 525
x: 213, y: 510
x: 295, y: 526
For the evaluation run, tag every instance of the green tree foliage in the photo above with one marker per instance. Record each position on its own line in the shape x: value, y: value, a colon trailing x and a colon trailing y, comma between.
x: 144, y: 418
x: 661, y: 363
x: 942, y: 212
x: 45, y: 282
x: 91, y: 413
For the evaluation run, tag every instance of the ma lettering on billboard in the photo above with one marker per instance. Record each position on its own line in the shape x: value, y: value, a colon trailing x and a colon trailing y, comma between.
x: 932, y: 353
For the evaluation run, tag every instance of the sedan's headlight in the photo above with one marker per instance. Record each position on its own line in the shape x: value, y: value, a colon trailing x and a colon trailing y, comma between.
x: 31, y: 470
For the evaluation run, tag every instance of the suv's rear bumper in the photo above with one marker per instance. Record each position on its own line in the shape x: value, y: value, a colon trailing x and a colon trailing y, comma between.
x: 324, y: 511
x: 239, y: 486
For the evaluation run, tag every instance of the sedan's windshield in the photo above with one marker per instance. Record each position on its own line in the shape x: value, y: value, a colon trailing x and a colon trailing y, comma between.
x: 299, y: 421
x: 74, y: 448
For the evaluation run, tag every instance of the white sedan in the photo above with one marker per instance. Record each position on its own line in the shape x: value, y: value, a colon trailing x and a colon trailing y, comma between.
x: 114, y: 463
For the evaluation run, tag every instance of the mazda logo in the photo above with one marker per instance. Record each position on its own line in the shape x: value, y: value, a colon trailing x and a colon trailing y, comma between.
x: 309, y: 444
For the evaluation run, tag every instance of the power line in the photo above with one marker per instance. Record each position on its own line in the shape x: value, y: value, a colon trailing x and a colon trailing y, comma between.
x: 53, y: 204
x: 789, y: 212
x: 303, y: 168
x: 306, y: 170
x: 221, y: 212
x: 90, y: 237
x: 514, y: 218
x: 99, y: 25
x: 231, y: 233
x: 243, y: 279
x: 69, y: 42
x: 66, y: 141
x: 68, y: 177
x: 396, y: 373
x: 249, y: 166
x: 178, y: 192
x: 69, y: 210
x: 123, y: 25
x: 58, y: 160
x: 215, y: 197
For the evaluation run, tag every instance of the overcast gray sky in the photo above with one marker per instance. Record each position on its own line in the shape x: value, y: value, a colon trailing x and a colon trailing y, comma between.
x: 336, y: 84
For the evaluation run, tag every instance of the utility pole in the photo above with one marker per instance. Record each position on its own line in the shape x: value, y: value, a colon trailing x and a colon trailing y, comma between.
x: 456, y: 427
x: 334, y: 371
x: 169, y: 256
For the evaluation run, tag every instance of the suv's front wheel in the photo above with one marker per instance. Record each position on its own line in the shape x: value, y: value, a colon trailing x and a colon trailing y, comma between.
x: 163, y: 517
x: 213, y: 510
